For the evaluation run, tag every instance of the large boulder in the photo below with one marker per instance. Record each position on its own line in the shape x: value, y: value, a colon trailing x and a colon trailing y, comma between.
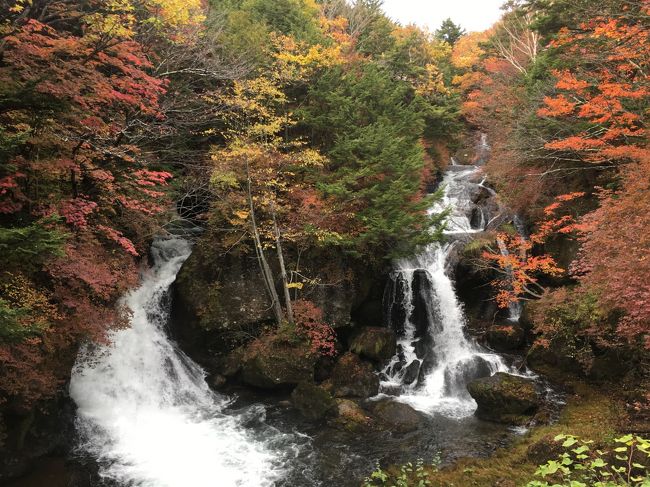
x: 375, y: 343
x: 312, y: 401
x: 273, y: 361
x: 504, y: 338
x: 396, y: 416
x: 352, y: 377
x: 505, y: 398
x: 220, y: 299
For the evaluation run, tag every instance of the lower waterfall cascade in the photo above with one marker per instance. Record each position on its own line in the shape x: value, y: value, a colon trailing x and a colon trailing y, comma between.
x: 435, y: 359
x: 145, y: 411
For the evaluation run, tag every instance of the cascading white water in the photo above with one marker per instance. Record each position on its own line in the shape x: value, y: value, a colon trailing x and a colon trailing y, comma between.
x: 145, y: 411
x: 455, y: 359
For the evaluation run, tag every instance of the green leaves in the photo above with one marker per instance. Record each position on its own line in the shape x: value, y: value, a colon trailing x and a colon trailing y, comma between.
x: 582, y: 467
x: 370, y: 126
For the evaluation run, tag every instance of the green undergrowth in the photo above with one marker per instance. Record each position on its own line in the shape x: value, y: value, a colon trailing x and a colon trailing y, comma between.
x: 589, y: 413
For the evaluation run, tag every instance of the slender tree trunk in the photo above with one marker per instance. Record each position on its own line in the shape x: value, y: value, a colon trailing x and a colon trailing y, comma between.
x: 261, y: 258
x: 283, y: 270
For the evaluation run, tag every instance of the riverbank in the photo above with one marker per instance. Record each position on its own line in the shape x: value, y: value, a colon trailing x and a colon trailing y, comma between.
x: 590, y: 412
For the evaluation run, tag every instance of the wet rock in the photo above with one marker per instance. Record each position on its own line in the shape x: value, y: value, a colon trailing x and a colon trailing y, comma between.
x: 312, y: 401
x: 465, y: 371
x: 217, y: 381
x: 369, y: 313
x: 412, y: 372
x: 274, y: 362
x: 374, y: 343
x: 396, y: 416
x: 354, y: 378
x: 394, y: 299
x: 504, y: 398
x: 350, y: 416
x: 425, y: 305
x: 504, y: 338
x: 231, y: 365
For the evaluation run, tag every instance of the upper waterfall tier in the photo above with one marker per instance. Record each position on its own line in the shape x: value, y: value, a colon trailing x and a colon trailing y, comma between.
x: 435, y: 359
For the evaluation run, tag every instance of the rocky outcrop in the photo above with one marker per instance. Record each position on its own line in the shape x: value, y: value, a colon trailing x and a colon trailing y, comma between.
x: 504, y: 338
x: 352, y: 377
x: 220, y: 301
x: 504, y: 398
x: 26, y: 437
x: 273, y: 361
x: 396, y: 416
x: 312, y: 401
x: 378, y: 344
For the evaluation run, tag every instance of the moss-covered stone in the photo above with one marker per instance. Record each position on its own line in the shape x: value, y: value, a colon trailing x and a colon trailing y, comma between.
x: 396, y: 416
x: 557, y: 355
x: 374, y: 343
x: 352, y: 377
x: 273, y: 361
x: 312, y: 401
x: 504, y: 398
x: 543, y: 450
x: 350, y: 416
x: 504, y: 338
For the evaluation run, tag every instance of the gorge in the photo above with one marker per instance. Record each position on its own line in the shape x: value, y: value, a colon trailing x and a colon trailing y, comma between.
x: 297, y: 243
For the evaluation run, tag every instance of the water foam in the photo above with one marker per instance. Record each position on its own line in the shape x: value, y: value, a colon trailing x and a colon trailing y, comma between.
x: 145, y: 411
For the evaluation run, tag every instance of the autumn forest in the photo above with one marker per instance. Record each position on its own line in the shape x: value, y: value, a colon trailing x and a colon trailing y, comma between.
x: 297, y: 243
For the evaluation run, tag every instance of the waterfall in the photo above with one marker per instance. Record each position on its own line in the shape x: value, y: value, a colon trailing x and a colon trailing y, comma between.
x: 145, y: 411
x: 435, y: 360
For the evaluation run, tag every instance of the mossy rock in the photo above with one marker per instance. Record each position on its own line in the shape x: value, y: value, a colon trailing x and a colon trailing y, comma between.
x: 350, y: 416
x: 543, y: 450
x: 504, y: 338
x: 505, y: 398
x: 352, y: 377
x: 273, y: 362
x: 557, y: 355
x: 313, y: 401
x: 375, y: 343
x: 396, y: 416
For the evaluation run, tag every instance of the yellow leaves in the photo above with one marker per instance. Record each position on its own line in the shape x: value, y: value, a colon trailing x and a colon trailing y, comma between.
x: 467, y: 51
x: 295, y: 285
x: 240, y: 218
x: 311, y: 158
x: 224, y: 180
x: 115, y: 20
x: 19, y: 6
x: 177, y: 13
x: 432, y: 82
x: 17, y: 290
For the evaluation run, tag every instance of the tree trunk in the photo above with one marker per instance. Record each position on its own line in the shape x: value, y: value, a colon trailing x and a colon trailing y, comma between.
x: 283, y: 270
x: 261, y: 258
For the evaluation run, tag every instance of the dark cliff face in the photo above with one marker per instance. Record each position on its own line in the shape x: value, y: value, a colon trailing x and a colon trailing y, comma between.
x: 220, y: 301
x: 25, y: 437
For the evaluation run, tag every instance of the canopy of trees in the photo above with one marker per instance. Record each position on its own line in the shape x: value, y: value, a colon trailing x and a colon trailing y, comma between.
x: 567, y: 83
x: 291, y: 122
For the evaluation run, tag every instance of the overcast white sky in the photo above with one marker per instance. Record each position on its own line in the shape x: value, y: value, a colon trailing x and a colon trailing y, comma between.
x: 473, y: 15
